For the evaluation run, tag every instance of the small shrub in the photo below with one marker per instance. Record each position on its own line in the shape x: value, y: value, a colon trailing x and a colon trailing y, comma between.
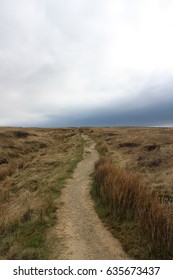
x: 152, y: 147
x: 21, y: 134
x: 128, y: 145
x: 3, y: 160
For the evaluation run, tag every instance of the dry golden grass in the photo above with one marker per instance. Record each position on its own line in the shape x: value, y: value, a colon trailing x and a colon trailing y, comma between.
x: 137, y: 194
x: 128, y: 199
x: 34, y: 164
x: 145, y: 151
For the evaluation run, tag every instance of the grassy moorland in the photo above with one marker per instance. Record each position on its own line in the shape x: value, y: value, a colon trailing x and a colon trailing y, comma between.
x: 133, y: 189
x: 34, y: 164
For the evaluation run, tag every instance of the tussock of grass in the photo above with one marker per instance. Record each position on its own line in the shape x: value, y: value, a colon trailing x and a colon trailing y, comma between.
x: 135, y: 205
x: 6, y: 171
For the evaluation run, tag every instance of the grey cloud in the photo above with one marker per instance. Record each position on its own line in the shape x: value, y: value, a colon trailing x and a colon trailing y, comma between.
x: 81, y: 62
x: 157, y: 113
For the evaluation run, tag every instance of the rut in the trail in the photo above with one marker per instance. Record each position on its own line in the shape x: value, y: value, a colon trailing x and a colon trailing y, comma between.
x: 82, y: 234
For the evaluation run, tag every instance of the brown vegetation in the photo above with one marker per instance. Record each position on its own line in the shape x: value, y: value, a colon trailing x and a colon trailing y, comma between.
x: 34, y: 164
x: 128, y: 199
x: 145, y: 151
x: 134, y: 184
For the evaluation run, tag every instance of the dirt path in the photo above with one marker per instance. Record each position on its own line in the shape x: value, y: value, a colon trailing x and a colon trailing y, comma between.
x: 82, y: 234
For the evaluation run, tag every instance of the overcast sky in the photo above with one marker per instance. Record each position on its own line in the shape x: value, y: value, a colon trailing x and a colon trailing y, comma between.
x: 86, y: 62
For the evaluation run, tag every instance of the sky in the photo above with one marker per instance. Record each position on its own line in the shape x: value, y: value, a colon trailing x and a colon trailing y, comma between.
x: 86, y: 63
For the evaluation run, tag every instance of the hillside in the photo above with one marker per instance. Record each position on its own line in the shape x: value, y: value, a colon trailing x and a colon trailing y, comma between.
x: 34, y: 164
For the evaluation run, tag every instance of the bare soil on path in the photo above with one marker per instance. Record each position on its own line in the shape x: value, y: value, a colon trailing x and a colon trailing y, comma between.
x: 81, y: 233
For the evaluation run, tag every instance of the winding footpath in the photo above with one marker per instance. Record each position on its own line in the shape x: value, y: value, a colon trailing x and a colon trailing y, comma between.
x: 81, y: 233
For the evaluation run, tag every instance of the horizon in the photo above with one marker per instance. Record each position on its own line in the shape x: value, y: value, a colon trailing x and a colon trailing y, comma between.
x: 89, y: 127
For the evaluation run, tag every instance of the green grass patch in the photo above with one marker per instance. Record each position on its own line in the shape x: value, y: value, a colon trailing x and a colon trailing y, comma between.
x: 26, y: 240
x: 31, y: 234
x: 70, y: 166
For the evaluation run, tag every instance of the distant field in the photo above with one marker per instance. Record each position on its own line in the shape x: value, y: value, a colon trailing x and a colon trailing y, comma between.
x: 34, y: 164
